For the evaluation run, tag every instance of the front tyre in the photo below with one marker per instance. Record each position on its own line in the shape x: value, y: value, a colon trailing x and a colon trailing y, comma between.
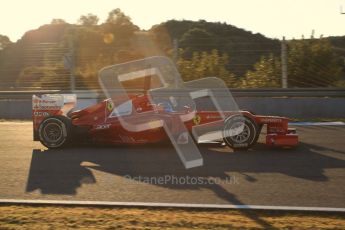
x: 240, y: 132
x: 54, y: 132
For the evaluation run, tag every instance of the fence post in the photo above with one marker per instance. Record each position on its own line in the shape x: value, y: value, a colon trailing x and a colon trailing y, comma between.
x: 284, y: 63
x: 72, y: 67
x: 175, y: 51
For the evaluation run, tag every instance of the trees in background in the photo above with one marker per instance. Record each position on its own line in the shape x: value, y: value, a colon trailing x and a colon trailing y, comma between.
x: 88, y: 45
x: 195, y: 40
x: 244, y: 47
x: 266, y: 74
x: 4, y: 42
x: 88, y: 20
x: 120, y: 25
x: 58, y: 21
x: 240, y: 58
x: 109, y: 43
x: 206, y: 64
x: 311, y: 63
x: 44, y: 77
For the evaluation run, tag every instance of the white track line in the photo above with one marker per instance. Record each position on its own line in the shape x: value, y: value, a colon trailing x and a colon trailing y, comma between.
x: 168, y: 205
x: 334, y: 123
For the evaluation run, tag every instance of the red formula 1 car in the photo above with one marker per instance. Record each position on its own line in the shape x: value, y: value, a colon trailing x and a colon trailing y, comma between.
x: 55, y: 124
x: 166, y: 109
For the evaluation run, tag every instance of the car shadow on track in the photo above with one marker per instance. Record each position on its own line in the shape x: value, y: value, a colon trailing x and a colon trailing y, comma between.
x: 63, y: 171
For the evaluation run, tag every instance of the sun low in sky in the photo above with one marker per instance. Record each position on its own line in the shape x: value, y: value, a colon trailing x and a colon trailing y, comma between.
x: 272, y: 18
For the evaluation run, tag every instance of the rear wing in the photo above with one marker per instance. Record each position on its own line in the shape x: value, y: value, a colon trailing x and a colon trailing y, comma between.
x: 54, y: 102
x: 50, y: 105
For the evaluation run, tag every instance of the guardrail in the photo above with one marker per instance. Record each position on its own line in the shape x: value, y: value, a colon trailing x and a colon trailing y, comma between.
x: 295, y: 92
x: 295, y: 103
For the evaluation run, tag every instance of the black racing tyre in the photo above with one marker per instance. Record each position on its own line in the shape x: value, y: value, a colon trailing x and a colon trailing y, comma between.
x: 259, y: 128
x: 55, y: 132
x: 247, y: 136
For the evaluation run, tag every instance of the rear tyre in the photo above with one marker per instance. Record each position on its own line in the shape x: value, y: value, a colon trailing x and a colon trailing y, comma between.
x: 54, y: 132
x: 240, y: 132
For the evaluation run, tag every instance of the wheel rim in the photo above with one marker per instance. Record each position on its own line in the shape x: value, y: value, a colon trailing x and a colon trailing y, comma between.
x: 242, y: 136
x: 52, y: 132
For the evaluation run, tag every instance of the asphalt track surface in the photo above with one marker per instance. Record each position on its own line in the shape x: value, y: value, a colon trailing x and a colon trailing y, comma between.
x: 311, y: 175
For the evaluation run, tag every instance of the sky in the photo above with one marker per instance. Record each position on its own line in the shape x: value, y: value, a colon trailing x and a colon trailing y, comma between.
x: 272, y: 18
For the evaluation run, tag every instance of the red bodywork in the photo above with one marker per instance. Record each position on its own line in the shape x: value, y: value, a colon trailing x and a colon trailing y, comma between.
x: 98, y: 125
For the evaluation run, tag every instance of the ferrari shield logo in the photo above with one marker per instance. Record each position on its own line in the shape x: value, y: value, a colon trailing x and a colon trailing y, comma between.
x: 196, y: 119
